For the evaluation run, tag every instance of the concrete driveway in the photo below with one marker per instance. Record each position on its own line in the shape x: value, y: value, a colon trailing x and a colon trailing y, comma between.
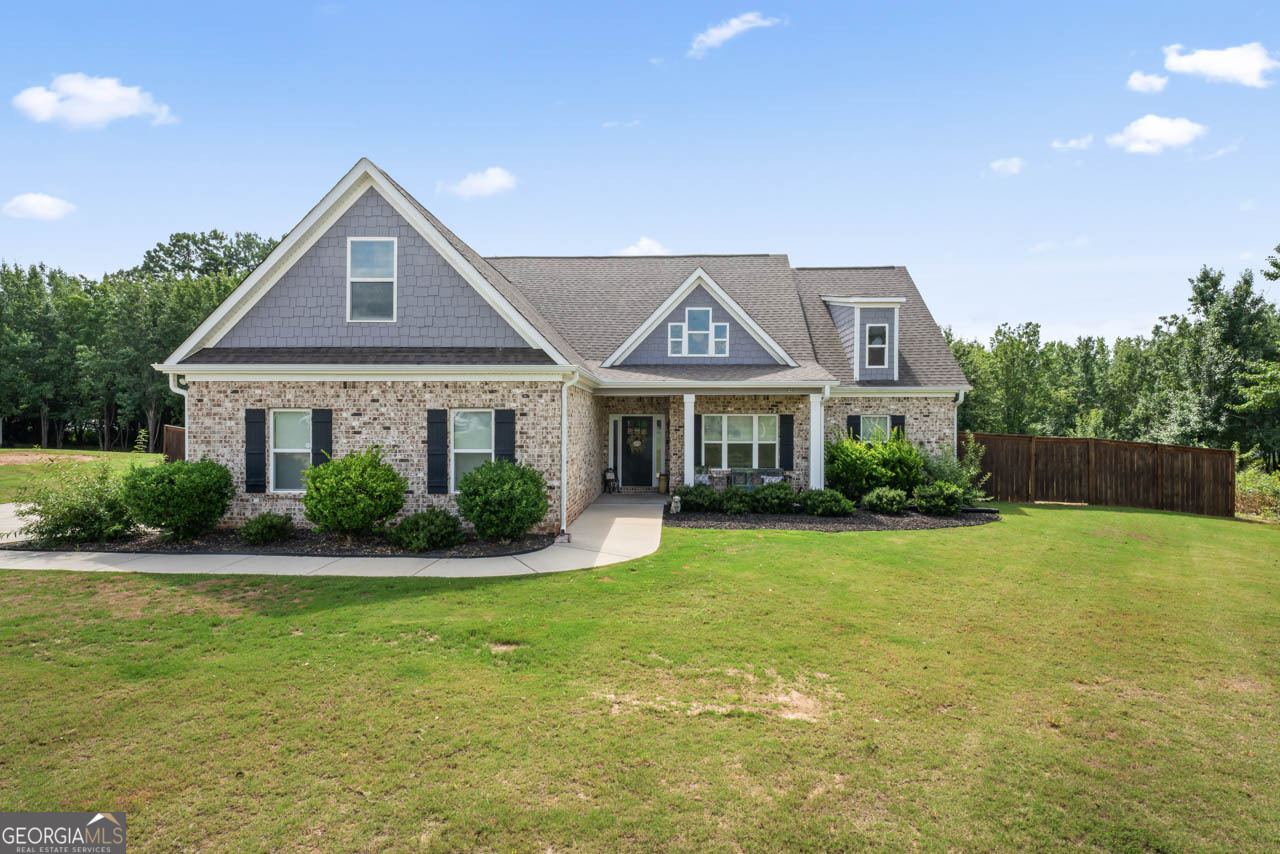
x: 9, y: 522
x: 613, y: 529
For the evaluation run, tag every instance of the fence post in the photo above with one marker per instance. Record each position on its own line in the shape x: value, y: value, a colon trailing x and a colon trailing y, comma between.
x: 1031, y: 475
x: 1092, y: 487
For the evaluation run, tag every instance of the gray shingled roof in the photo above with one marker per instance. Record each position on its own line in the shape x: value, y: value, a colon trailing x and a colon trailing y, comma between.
x: 368, y: 356
x: 924, y: 359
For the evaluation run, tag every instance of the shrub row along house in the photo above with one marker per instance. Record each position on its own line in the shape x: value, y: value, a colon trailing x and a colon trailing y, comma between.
x: 373, y: 323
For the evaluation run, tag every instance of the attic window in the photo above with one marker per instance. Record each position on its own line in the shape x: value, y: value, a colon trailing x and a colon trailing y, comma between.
x: 697, y: 336
x: 371, y: 279
x: 877, y: 345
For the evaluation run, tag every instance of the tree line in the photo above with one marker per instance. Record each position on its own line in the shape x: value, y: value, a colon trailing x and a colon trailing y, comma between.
x: 1208, y: 377
x: 76, y: 353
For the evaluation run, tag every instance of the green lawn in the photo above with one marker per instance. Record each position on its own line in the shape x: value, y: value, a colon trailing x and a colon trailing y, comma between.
x: 14, y: 476
x: 1068, y: 677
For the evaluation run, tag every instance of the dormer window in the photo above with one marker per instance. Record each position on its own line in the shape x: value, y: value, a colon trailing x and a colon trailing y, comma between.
x: 877, y: 345
x: 371, y: 279
x: 698, y: 335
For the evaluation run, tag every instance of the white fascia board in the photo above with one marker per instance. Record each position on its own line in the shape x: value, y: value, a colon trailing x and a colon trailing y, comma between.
x: 309, y: 231
x: 898, y: 391
x: 313, y: 373
x: 866, y: 302
x: 699, y: 276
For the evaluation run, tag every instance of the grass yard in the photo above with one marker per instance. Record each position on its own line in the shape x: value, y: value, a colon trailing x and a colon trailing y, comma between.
x: 21, y: 467
x: 1068, y: 677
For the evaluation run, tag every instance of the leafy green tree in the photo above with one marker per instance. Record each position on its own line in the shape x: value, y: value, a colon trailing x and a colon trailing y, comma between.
x: 189, y: 255
x: 1018, y: 368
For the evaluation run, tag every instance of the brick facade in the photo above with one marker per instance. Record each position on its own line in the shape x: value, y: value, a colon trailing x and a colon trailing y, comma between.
x: 930, y: 420
x: 744, y: 404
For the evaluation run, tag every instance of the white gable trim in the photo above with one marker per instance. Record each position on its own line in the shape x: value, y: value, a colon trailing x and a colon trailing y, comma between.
x: 696, y: 278
x: 313, y: 226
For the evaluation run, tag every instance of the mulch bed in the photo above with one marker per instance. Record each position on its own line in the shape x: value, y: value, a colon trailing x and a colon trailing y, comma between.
x: 303, y: 542
x: 863, y: 520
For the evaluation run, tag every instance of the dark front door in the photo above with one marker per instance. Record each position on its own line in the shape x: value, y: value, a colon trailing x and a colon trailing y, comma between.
x: 637, y: 451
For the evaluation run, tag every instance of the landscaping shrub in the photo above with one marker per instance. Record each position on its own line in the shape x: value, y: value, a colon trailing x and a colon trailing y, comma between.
x: 825, y: 502
x: 182, y: 499
x: 428, y: 531
x: 853, y: 467
x: 964, y: 472
x: 267, y: 528
x: 901, y: 461
x: 700, y: 498
x: 78, y: 504
x: 353, y: 494
x: 885, y: 499
x: 735, y: 501
x: 503, y: 500
x: 1258, y: 493
x: 939, y: 499
x: 774, y: 498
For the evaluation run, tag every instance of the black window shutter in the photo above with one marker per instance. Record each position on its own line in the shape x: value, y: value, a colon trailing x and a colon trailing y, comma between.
x: 786, y: 442
x: 896, y: 423
x: 854, y: 425
x: 697, y: 440
x: 504, y: 435
x: 321, y: 436
x: 437, y: 451
x: 255, y: 450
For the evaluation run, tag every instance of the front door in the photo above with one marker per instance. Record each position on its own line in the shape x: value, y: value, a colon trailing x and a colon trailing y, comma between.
x: 637, y: 451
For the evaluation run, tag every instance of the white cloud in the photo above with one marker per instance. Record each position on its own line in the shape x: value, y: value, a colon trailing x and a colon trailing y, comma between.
x: 37, y: 206
x: 1152, y: 134
x: 645, y: 246
x: 1244, y: 64
x: 77, y: 100
x: 495, y: 179
x: 1139, y: 82
x: 1223, y: 152
x: 1078, y: 144
x: 1007, y: 166
x: 725, y: 30
x: 629, y: 124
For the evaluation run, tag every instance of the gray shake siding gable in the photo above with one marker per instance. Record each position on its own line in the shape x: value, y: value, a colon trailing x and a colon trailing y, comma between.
x: 855, y: 346
x: 436, y: 307
x: 743, y: 349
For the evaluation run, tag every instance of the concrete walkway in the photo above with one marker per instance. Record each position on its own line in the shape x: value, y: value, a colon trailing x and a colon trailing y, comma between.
x: 613, y: 529
x: 9, y: 521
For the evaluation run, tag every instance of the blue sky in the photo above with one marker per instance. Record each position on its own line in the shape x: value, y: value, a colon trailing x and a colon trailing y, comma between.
x: 842, y: 134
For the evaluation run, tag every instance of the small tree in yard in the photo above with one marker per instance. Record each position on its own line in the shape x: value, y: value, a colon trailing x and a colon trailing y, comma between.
x: 502, y: 500
x: 353, y: 495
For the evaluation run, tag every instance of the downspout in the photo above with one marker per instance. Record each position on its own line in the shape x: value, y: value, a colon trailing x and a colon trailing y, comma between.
x: 822, y: 409
x: 955, y: 424
x: 564, y: 456
x: 177, y: 389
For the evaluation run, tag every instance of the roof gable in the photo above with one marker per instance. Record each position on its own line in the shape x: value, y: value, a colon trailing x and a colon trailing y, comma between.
x: 361, y: 178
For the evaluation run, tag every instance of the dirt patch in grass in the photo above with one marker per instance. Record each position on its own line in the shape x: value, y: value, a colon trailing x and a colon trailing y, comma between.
x: 731, y: 691
x: 860, y: 521
x: 304, y: 542
x: 503, y: 647
x: 26, y: 458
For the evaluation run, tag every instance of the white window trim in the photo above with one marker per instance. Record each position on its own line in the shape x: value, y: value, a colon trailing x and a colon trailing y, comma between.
x: 869, y: 346
x: 888, y: 429
x: 395, y: 277
x: 453, y: 452
x: 272, y: 450
x: 712, y: 338
x: 755, y: 439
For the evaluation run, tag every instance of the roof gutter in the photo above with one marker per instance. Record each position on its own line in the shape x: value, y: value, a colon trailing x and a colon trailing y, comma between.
x: 564, y: 457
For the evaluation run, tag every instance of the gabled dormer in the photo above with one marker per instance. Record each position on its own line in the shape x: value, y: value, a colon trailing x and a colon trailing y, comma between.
x: 699, y: 324
x: 868, y: 329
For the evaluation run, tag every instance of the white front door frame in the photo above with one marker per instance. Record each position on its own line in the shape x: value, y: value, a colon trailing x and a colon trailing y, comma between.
x: 659, y: 444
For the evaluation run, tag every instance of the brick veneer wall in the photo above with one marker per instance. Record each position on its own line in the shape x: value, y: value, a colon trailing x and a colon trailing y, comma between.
x: 583, y: 468
x: 390, y: 414
x: 607, y: 405
x: 930, y: 420
x: 745, y: 404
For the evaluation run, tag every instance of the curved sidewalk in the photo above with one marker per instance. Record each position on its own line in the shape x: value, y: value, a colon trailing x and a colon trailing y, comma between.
x: 613, y: 529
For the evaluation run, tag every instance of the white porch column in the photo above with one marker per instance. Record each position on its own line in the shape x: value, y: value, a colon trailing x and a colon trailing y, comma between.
x: 688, y: 439
x: 816, y: 450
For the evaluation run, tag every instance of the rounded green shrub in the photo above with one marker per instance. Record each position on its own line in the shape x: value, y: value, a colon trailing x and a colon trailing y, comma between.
x: 502, y: 500
x: 431, y: 530
x: 939, y: 499
x: 79, y: 504
x: 180, y: 498
x: 853, y: 468
x: 902, y: 463
x: 266, y: 528
x: 735, y: 501
x: 774, y: 498
x: 825, y: 502
x: 698, y: 498
x: 885, y: 499
x: 353, y: 495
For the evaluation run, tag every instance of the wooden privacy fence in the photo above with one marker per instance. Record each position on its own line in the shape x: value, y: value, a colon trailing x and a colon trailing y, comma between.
x: 175, y: 443
x: 1103, y: 471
